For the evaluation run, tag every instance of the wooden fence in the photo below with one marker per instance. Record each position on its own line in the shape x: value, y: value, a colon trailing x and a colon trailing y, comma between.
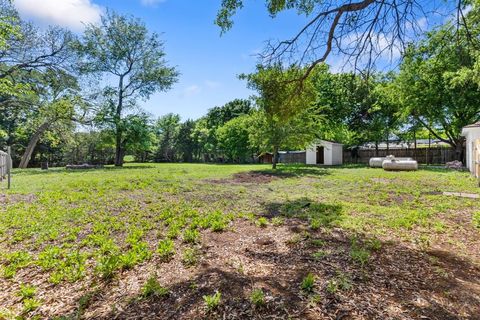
x: 5, y: 167
x: 433, y: 155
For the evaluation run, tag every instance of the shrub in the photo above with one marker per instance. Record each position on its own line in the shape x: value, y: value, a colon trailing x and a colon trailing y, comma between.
x: 212, y: 301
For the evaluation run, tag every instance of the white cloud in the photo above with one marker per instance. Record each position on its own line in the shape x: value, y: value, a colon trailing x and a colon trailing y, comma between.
x: 212, y: 84
x: 151, y: 3
x: 191, y: 91
x: 66, y: 13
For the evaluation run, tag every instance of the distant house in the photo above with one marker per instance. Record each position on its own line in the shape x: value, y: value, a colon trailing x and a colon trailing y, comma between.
x: 471, y: 134
x: 325, y: 152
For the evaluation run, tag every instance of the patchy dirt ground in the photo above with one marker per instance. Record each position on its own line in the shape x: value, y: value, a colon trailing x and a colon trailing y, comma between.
x: 397, y: 283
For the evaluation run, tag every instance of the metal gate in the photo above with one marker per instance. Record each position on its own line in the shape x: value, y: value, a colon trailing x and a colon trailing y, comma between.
x: 5, y: 167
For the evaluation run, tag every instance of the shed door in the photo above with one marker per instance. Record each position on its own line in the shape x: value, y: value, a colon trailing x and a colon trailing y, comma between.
x: 320, y: 155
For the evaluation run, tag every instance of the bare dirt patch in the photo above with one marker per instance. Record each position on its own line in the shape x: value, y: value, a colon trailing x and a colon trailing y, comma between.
x: 251, y: 177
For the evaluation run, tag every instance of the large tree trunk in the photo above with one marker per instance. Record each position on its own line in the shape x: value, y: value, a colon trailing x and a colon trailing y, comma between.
x: 459, y: 149
x: 275, y: 157
x: 119, y: 152
x: 32, y: 144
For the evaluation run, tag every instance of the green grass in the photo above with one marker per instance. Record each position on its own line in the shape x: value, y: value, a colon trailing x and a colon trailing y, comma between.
x: 73, y: 224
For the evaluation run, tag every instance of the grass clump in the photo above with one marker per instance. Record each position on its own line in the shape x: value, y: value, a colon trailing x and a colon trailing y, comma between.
x: 308, y: 283
x: 152, y: 288
x: 257, y: 297
x: 212, y: 301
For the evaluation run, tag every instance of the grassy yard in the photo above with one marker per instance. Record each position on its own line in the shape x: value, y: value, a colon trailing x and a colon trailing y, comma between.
x: 188, y: 241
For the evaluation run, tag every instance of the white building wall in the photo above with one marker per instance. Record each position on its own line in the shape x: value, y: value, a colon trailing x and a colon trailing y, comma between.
x: 471, y: 134
x: 333, y: 153
x: 337, y: 154
x: 327, y: 154
x: 311, y: 155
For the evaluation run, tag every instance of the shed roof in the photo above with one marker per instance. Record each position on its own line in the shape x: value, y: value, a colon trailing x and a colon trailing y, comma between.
x: 473, y: 126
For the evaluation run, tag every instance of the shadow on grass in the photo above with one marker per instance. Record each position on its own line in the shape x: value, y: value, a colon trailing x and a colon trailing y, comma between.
x: 289, y: 171
x: 324, y: 214
x: 355, y: 276
x: 53, y: 170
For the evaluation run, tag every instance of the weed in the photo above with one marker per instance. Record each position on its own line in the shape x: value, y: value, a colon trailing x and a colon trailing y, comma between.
x: 257, y: 297
x: 308, y: 283
x: 374, y: 244
x: 320, y: 254
x: 166, y: 249
x: 340, y: 282
x: 107, y: 265
x: 30, y: 304
x: 317, y: 242
x: 152, y: 288
x: 212, y: 301
x: 190, y: 257
x: 261, y: 222
x: 476, y: 219
x: 27, y: 291
x: 277, y: 221
x: 315, y: 224
x: 359, y: 254
x: 191, y: 235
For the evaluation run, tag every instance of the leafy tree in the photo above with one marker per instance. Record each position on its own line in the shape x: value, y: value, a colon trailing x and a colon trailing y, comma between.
x: 234, y: 139
x: 121, y: 48
x: 55, y: 103
x: 431, y: 87
x: 286, y: 118
x: 218, y: 116
x: 167, y: 129
x: 187, y: 145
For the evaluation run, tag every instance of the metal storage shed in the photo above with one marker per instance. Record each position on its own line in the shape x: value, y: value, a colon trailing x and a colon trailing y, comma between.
x: 325, y: 152
x: 472, y: 136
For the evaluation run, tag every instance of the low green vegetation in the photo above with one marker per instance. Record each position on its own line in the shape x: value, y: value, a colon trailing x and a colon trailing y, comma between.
x: 308, y: 283
x: 257, y: 297
x: 152, y: 288
x: 74, y: 226
x: 212, y: 301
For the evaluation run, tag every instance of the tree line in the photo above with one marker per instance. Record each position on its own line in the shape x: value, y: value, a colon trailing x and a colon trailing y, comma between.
x: 74, y: 99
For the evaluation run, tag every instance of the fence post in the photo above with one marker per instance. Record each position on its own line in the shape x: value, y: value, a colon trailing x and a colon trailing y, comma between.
x: 9, y: 166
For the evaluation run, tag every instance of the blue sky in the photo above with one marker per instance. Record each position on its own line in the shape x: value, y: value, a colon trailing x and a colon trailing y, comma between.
x: 208, y: 63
